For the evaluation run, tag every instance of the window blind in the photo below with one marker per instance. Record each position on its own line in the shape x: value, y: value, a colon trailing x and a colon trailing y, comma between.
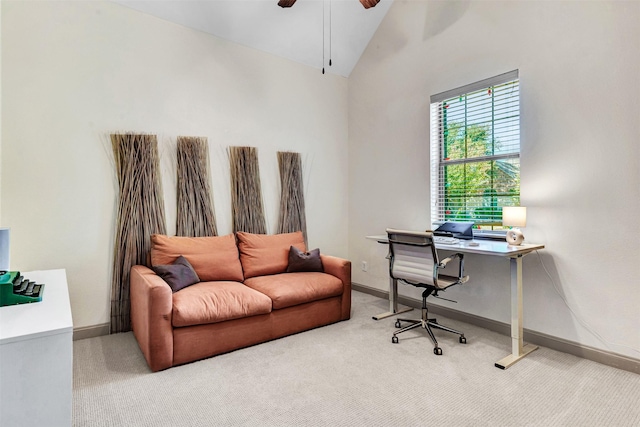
x: 475, y: 151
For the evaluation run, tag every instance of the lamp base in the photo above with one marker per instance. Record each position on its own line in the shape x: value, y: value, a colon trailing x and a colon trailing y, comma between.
x: 515, y: 237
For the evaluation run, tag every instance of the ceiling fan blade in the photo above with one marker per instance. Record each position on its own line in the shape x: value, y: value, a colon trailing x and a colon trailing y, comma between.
x: 286, y: 3
x: 369, y: 3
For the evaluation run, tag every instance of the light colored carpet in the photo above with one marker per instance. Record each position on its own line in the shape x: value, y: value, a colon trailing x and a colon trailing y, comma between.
x: 350, y: 374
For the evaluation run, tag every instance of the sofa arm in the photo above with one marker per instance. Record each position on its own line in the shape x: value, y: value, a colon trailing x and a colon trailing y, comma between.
x: 340, y: 268
x: 151, y: 308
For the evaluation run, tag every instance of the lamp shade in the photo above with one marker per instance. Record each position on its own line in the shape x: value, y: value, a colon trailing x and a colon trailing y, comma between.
x: 514, y: 216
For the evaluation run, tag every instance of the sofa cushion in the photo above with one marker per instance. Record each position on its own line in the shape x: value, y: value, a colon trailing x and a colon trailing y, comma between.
x: 304, y: 261
x: 178, y: 275
x: 262, y: 254
x: 213, y: 258
x: 212, y: 302
x: 289, y: 289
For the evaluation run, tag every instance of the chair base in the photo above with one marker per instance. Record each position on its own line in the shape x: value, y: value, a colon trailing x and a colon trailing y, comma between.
x: 427, y: 324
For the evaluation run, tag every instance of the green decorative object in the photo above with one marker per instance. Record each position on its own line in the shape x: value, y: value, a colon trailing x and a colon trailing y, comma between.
x: 15, y: 289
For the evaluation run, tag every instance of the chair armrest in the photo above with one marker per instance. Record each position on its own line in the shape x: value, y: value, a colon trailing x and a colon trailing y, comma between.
x: 444, y: 262
x: 151, y: 309
x: 340, y: 268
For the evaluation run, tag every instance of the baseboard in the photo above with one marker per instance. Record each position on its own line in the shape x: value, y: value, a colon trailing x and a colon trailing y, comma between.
x: 606, y: 358
x: 90, y: 331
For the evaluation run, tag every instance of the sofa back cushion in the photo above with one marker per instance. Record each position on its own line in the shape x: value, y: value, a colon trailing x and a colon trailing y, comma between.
x: 213, y: 258
x: 263, y: 254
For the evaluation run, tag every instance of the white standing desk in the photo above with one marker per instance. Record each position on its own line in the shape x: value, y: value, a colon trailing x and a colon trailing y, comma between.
x: 485, y: 247
x: 36, y: 356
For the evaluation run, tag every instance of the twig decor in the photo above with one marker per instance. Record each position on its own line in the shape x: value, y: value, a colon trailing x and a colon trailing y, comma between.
x: 140, y: 214
x: 246, y: 196
x: 195, y: 216
x: 292, y: 216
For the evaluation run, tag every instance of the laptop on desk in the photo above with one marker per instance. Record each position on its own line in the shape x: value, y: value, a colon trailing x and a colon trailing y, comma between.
x: 459, y: 230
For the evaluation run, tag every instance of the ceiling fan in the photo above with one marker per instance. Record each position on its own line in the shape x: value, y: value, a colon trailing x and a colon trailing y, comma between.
x: 366, y: 3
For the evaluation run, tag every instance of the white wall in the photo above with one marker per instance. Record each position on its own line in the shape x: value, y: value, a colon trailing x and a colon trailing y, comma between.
x: 579, y: 64
x: 73, y: 72
x: 0, y: 119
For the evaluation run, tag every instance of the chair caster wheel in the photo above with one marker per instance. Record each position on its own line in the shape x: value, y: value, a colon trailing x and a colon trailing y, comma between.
x: 463, y: 340
x: 437, y: 351
x: 398, y: 325
x: 394, y: 340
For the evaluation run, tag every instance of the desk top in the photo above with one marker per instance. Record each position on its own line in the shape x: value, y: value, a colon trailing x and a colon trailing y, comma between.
x: 50, y: 316
x: 485, y: 247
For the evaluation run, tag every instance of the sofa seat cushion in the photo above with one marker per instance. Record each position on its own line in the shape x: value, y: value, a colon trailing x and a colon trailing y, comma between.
x: 289, y: 289
x: 212, y: 302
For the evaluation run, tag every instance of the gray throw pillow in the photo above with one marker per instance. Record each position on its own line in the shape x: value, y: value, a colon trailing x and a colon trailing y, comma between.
x: 178, y: 275
x: 304, y: 261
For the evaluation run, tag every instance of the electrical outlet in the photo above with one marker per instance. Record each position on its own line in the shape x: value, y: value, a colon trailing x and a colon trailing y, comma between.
x: 365, y: 266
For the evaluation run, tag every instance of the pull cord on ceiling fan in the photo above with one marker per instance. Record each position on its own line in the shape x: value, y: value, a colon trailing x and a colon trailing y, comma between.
x: 366, y: 3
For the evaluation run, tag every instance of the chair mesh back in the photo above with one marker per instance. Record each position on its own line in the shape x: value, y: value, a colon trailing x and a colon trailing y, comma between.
x: 412, y: 263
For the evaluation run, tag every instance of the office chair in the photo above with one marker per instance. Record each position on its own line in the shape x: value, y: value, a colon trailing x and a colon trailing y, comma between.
x: 413, y: 259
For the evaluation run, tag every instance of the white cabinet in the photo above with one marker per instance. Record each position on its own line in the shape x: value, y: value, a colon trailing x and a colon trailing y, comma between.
x: 36, y: 356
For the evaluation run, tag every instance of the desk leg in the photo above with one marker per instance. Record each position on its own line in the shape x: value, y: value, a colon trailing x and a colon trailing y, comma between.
x: 518, y: 348
x: 393, y: 302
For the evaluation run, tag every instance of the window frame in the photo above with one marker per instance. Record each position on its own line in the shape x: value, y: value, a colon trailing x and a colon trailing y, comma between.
x: 439, y: 162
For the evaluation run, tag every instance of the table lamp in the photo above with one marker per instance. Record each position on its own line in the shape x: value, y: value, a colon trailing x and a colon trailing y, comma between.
x: 514, y: 216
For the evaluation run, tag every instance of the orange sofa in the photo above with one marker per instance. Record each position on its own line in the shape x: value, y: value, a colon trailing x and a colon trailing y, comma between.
x: 245, y: 296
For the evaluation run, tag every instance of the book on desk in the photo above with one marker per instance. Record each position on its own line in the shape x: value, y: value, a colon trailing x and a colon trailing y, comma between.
x: 16, y: 289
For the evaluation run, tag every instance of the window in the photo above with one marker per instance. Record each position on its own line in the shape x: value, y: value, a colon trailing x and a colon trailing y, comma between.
x: 475, y: 151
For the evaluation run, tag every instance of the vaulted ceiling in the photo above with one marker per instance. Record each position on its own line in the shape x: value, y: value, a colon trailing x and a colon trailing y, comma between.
x: 295, y: 33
